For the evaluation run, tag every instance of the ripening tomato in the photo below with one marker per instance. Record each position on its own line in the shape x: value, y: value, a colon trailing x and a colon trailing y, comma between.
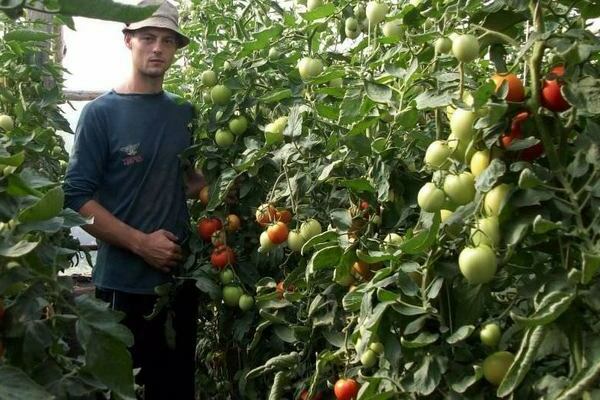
x: 204, y: 195
x: 278, y: 232
x: 207, y: 227
x: 284, y: 216
x: 363, y: 269
x: 346, y: 389
x: 222, y: 256
x: 551, y: 96
x: 516, y: 91
x: 233, y: 223
x: 265, y: 214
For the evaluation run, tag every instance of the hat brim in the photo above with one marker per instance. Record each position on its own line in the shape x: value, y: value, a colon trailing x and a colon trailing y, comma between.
x: 158, y: 22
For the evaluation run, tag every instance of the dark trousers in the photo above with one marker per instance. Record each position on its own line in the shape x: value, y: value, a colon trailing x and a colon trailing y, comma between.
x: 166, y: 373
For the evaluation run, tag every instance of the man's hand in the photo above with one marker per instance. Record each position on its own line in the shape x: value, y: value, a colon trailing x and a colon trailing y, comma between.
x: 160, y: 249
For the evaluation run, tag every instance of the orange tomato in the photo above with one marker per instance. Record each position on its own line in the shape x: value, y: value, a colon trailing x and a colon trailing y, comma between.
x: 516, y: 91
x: 278, y: 232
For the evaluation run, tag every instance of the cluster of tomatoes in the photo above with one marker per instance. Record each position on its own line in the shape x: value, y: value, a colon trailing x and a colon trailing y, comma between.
x: 277, y: 232
x: 222, y: 257
x: 495, y: 366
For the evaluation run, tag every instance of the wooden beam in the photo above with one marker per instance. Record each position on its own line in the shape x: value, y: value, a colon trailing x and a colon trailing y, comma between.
x: 81, y: 95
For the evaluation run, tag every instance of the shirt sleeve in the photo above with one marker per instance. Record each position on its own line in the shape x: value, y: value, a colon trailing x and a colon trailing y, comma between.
x: 87, y: 161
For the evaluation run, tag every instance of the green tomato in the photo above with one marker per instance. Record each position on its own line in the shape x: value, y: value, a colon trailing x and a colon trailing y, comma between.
x: 465, y: 48
x: 368, y: 358
x: 265, y: 242
x: 231, y: 295
x: 486, y: 231
x: 312, y: 4
x: 359, y: 11
x: 430, y: 197
x: 309, y: 68
x: 226, y: 276
x: 460, y: 188
x: 461, y: 124
x: 377, y: 347
x: 273, y: 134
x: 443, y: 45
x: 496, y: 365
x: 477, y: 264
x: 479, y: 162
x: 224, y: 138
x: 490, y: 335
x: 238, y: 125
x: 6, y: 123
x: 310, y: 228
x: 445, y: 214
x: 351, y: 24
x: 295, y: 241
x: 495, y: 199
x: 352, y: 34
x: 220, y: 95
x: 392, y: 29
x: 376, y: 12
x: 246, y: 302
x: 208, y: 78
x: 437, y: 154
x: 392, y: 241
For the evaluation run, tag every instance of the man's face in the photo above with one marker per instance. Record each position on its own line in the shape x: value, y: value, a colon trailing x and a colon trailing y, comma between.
x: 152, y: 50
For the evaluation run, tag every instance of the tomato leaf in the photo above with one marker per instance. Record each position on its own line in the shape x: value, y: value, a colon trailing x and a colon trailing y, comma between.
x: 530, y: 344
x: 16, y: 385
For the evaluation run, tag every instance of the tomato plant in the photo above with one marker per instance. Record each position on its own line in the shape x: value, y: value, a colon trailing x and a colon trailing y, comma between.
x: 392, y: 104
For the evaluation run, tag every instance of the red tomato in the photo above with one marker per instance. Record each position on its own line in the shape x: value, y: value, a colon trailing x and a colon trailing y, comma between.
x: 551, y: 96
x: 346, y: 389
x: 532, y: 152
x: 284, y: 216
x: 222, y: 256
x: 515, y: 129
x: 2, y: 310
x: 207, y: 227
x: 278, y: 232
x: 516, y: 92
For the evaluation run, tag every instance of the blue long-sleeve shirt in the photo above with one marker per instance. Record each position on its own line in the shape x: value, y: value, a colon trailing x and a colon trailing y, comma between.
x: 126, y: 157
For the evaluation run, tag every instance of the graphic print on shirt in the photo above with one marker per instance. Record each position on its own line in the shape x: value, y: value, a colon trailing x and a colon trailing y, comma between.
x: 130, y: 154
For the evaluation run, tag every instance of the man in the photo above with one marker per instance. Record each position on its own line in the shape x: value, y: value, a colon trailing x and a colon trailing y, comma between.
x: 126, y: 173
